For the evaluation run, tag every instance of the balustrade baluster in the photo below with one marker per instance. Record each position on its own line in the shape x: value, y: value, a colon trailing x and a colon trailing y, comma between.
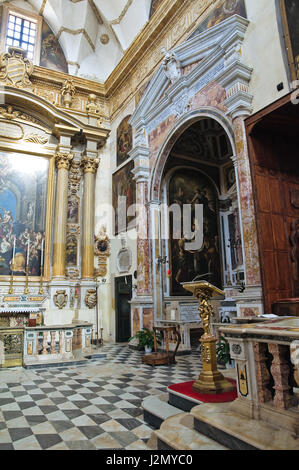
x: 60, y: 342
x: 53, y: 342
x: 280, y: 371
x: 262, y: 374
x: 45, y: 343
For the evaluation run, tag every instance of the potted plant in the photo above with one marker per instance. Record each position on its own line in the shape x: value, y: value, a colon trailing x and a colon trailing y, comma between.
x: 146, y: 339
x: 223, y: 353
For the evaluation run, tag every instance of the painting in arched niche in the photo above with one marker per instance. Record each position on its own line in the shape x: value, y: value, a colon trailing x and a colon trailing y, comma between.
x: 51, y: 56
x: 188, y: 186
x: 124, y: 140
x: 23, y: 197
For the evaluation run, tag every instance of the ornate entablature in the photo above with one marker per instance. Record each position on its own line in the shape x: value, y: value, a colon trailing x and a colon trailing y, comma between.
x: 218, y: 54
x: 81, y: 98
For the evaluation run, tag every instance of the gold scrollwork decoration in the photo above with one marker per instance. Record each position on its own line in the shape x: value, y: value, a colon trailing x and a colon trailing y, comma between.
x: 60, y: 299
x: 91, y: 298
x: 15, y: 68
x: 102, y: 251
x: 63, y: 160
x: 90, y: 165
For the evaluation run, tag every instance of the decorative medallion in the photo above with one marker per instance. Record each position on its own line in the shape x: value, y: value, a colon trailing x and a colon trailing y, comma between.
x: 102, y: 250
x: 15, y: 68
x: 104, y: 39
x: 91, y: 298
x: 171, y: 65
x: 236, y: 349
x: 60, y: 299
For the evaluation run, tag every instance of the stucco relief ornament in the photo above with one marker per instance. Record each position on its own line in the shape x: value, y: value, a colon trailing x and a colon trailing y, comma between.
x: 102, y: 250
x: 140, y: 138
x: 60, y: 299
x: 91, y: 298
x: 92, y: 106
x: 68, y: 92
x: 15, y: 68
x: 181, y: 105
x: 171, y: 65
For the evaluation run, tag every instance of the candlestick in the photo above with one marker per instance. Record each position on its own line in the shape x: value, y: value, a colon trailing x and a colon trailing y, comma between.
x: 101, y: 339
x: 11, y: 291
x: 42, y: 255
x: 41, y: 289
x: 13, y: 251
x: 28, y: 249
x: 26, y: 290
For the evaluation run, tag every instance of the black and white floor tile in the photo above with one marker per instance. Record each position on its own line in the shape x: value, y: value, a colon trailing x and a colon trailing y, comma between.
x: 92, y: 406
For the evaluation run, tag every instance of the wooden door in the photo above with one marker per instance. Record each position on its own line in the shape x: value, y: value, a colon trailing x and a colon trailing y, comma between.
x: 276, y: 188
x: 123, y: 294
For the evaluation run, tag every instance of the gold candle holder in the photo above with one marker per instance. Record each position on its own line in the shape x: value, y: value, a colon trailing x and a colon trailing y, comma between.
x: 210, y: 379
x: 41, y: 289
x: 26, y: 290
x: 11, y: 290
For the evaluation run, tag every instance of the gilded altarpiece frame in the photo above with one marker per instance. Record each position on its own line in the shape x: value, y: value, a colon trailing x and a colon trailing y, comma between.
x: 11, y: 224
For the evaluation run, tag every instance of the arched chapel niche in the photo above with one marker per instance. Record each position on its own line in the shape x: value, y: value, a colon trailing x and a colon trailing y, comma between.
x: 199, y: 170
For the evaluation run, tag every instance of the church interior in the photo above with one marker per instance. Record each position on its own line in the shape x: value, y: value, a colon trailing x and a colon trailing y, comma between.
x: 149, y: 248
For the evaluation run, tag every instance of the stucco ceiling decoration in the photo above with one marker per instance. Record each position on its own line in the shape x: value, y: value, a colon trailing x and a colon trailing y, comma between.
x: 94, y: 34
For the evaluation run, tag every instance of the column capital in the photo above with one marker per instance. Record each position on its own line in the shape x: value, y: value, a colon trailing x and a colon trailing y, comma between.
x: 90, y: 165
x: 63, y: 160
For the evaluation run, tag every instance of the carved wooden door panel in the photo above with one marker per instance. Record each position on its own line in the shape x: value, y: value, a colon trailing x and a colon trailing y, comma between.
x: 276, y: 187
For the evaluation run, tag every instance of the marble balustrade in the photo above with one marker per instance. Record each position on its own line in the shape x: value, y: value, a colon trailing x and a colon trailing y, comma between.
x: 56, y: 343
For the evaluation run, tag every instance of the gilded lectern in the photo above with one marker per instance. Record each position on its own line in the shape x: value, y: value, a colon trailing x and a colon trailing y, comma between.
x: 210, y: 379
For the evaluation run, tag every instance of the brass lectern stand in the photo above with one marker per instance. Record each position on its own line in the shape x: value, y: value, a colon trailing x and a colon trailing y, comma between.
x: 210, y: 379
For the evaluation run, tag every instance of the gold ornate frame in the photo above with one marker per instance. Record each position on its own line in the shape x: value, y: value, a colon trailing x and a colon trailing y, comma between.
x: 49, y: 211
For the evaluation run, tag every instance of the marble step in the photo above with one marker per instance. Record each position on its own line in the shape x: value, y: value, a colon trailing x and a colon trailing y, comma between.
x: 156, y: 410
x: 177, y: 433
x: 238, y: 432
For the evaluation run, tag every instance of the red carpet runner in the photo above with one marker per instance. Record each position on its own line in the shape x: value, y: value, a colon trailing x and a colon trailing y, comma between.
x: 185, y: 388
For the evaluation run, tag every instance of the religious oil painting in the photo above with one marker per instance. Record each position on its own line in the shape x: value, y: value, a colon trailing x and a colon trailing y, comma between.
x: 124, y: 140
x: 192, y: 187
x: 226, y: 9
x: 23, y: 201
x: 124, y: 186
x: 290, y: 21
x: 52, y: 56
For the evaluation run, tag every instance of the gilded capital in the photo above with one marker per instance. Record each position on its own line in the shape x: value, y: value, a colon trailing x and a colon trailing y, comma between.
x: 90, y: 165
x: 63, y: 160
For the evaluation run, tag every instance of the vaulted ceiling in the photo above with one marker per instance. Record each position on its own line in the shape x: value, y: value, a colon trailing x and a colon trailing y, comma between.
x: 94, y: 34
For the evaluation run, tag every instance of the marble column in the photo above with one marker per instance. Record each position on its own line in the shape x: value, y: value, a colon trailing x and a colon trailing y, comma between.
x: 280, y: 370
x: 63, y: 160
x: 90, y: 166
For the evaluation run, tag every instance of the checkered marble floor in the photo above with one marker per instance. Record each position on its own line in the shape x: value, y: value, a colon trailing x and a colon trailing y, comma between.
x: 92, y: 406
